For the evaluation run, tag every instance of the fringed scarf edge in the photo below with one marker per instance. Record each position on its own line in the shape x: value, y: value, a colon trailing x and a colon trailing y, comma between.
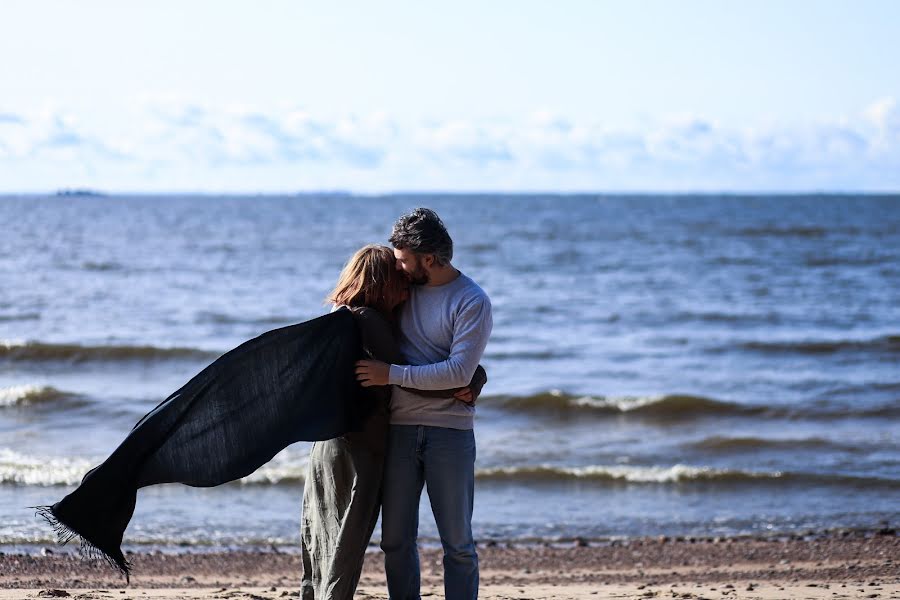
x: 89, y: 551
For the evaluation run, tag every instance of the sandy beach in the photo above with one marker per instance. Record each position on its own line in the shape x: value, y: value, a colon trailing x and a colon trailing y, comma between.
x: 837, y: 565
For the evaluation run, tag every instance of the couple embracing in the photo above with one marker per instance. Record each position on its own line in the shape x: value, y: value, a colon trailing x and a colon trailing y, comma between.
x: 424, y: 325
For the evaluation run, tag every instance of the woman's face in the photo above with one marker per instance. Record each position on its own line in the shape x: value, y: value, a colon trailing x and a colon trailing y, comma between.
x: 402, y: 291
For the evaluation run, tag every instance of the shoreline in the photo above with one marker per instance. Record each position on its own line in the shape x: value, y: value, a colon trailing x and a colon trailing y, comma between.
x: 826, y: 566
x: 883, y: 529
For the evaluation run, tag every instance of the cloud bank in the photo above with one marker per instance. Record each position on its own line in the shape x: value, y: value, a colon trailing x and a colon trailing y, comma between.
x: 170, y: 145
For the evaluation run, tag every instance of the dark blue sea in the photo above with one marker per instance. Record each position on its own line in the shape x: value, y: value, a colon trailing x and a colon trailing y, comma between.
x: 660, y: 365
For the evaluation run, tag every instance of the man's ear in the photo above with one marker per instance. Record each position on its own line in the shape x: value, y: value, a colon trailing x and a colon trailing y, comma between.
x: 428, y: 261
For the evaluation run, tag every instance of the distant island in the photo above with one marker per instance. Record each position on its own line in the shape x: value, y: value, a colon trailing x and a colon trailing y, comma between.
x: 80, y: 192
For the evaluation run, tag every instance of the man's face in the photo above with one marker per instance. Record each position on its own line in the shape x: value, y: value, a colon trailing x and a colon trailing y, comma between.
x: 412, y: 265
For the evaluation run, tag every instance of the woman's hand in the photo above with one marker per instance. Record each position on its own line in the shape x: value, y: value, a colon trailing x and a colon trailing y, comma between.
x: 470, y: 393
x: 372, y: 372
x: 465, y: 395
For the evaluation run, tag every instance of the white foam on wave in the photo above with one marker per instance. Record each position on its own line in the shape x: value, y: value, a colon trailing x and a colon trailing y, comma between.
x: 291, y: 466
x: 635, y: 474
x: 675, y: 403
x: 619, y: 403
x: 286, y: 467
x: 22, y: 469
x: 21, y: 394
x: 622, y: 403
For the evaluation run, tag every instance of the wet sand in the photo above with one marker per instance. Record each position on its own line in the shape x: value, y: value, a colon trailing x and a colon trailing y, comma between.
x: 840, y: 565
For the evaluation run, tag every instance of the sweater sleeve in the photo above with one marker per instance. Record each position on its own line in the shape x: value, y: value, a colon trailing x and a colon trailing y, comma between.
x: 471, y: 330
x: 475, y: 385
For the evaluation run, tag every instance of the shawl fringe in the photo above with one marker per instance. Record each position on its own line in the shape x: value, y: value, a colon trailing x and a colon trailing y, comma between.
x: 88, y: 551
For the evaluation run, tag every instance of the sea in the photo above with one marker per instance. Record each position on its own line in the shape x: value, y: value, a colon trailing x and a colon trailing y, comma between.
x: 660, y: 365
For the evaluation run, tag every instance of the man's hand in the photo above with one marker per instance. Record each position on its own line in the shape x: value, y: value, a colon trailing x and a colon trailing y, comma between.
x: 372, y: 372
x: 465, y: 395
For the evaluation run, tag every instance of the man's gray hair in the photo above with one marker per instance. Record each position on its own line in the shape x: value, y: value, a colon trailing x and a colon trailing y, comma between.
x: 423, y: 232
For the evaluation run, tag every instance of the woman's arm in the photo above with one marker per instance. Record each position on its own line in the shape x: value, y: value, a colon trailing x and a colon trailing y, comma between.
x: 475, y: 385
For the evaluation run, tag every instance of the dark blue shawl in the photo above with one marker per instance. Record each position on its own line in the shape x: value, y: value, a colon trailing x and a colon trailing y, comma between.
x: 287, y: 385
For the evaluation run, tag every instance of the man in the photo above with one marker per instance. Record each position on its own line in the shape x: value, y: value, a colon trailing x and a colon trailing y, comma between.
x: 444, y: 328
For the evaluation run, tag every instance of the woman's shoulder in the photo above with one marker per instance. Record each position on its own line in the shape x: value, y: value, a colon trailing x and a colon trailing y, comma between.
x: 377, y: 334
x: 356, y: 310
x: 363, y: 312
x: 364, y: 315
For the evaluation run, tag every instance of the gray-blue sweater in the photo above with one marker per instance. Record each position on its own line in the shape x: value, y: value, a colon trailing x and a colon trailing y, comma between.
x: 443, y: 332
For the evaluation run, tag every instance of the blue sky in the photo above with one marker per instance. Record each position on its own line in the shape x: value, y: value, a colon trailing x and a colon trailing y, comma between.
x: 382, y: 96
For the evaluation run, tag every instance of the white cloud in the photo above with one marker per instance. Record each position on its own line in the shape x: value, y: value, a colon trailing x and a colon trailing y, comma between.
x: 51, y: 136
x: 168, y: 143
x: 241, y: 137
x: 463, y: 141
x: 883, y: 113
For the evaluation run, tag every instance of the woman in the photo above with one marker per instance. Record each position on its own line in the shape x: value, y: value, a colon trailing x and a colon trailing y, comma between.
x: 342, y: 493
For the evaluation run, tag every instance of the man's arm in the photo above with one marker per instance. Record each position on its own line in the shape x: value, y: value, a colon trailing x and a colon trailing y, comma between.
x: 471, y: 332
x: 470, y: 335
x: 468, y: 394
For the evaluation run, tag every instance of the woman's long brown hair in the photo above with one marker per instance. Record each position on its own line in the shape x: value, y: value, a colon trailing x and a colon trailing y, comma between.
x: 370, y: 278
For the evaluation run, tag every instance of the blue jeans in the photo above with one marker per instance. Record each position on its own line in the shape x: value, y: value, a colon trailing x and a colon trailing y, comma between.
x: 444, y: 460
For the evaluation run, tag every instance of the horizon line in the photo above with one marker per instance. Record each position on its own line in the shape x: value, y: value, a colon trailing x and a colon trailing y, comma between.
x: 86, y: 192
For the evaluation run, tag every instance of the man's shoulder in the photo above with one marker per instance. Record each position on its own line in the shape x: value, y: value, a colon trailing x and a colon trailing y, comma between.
x: 470, y: 290
x: 460, y: 295
x: 470, y: 298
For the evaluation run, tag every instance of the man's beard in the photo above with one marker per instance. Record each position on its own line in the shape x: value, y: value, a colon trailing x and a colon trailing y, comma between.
x: 419, y: 276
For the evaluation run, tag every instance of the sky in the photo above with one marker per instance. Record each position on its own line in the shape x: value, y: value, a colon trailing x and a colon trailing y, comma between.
x: 370, y: 97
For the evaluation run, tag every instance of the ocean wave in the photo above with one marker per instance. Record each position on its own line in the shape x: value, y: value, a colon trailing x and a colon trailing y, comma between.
x: 228, y: 319
x: 675, y: 474
x: 736, y: 260
x: 21, y: 395
x: 863, y: 388
x: 725, y: 444
x: 724, y: 317
x: 103, y: 265
x: 681, y: 406
x: 889, y: 410
x: 17, y: 468
x: 529, y: 355
x: 789, y: 231
x: 662, y: 405
x: 22, y: 469
x: 631, y: 474
x: 285, y: 468
x: 886, y: 343
x: 839, y: 261
x: 28, y: 316
x: 40, y: 351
